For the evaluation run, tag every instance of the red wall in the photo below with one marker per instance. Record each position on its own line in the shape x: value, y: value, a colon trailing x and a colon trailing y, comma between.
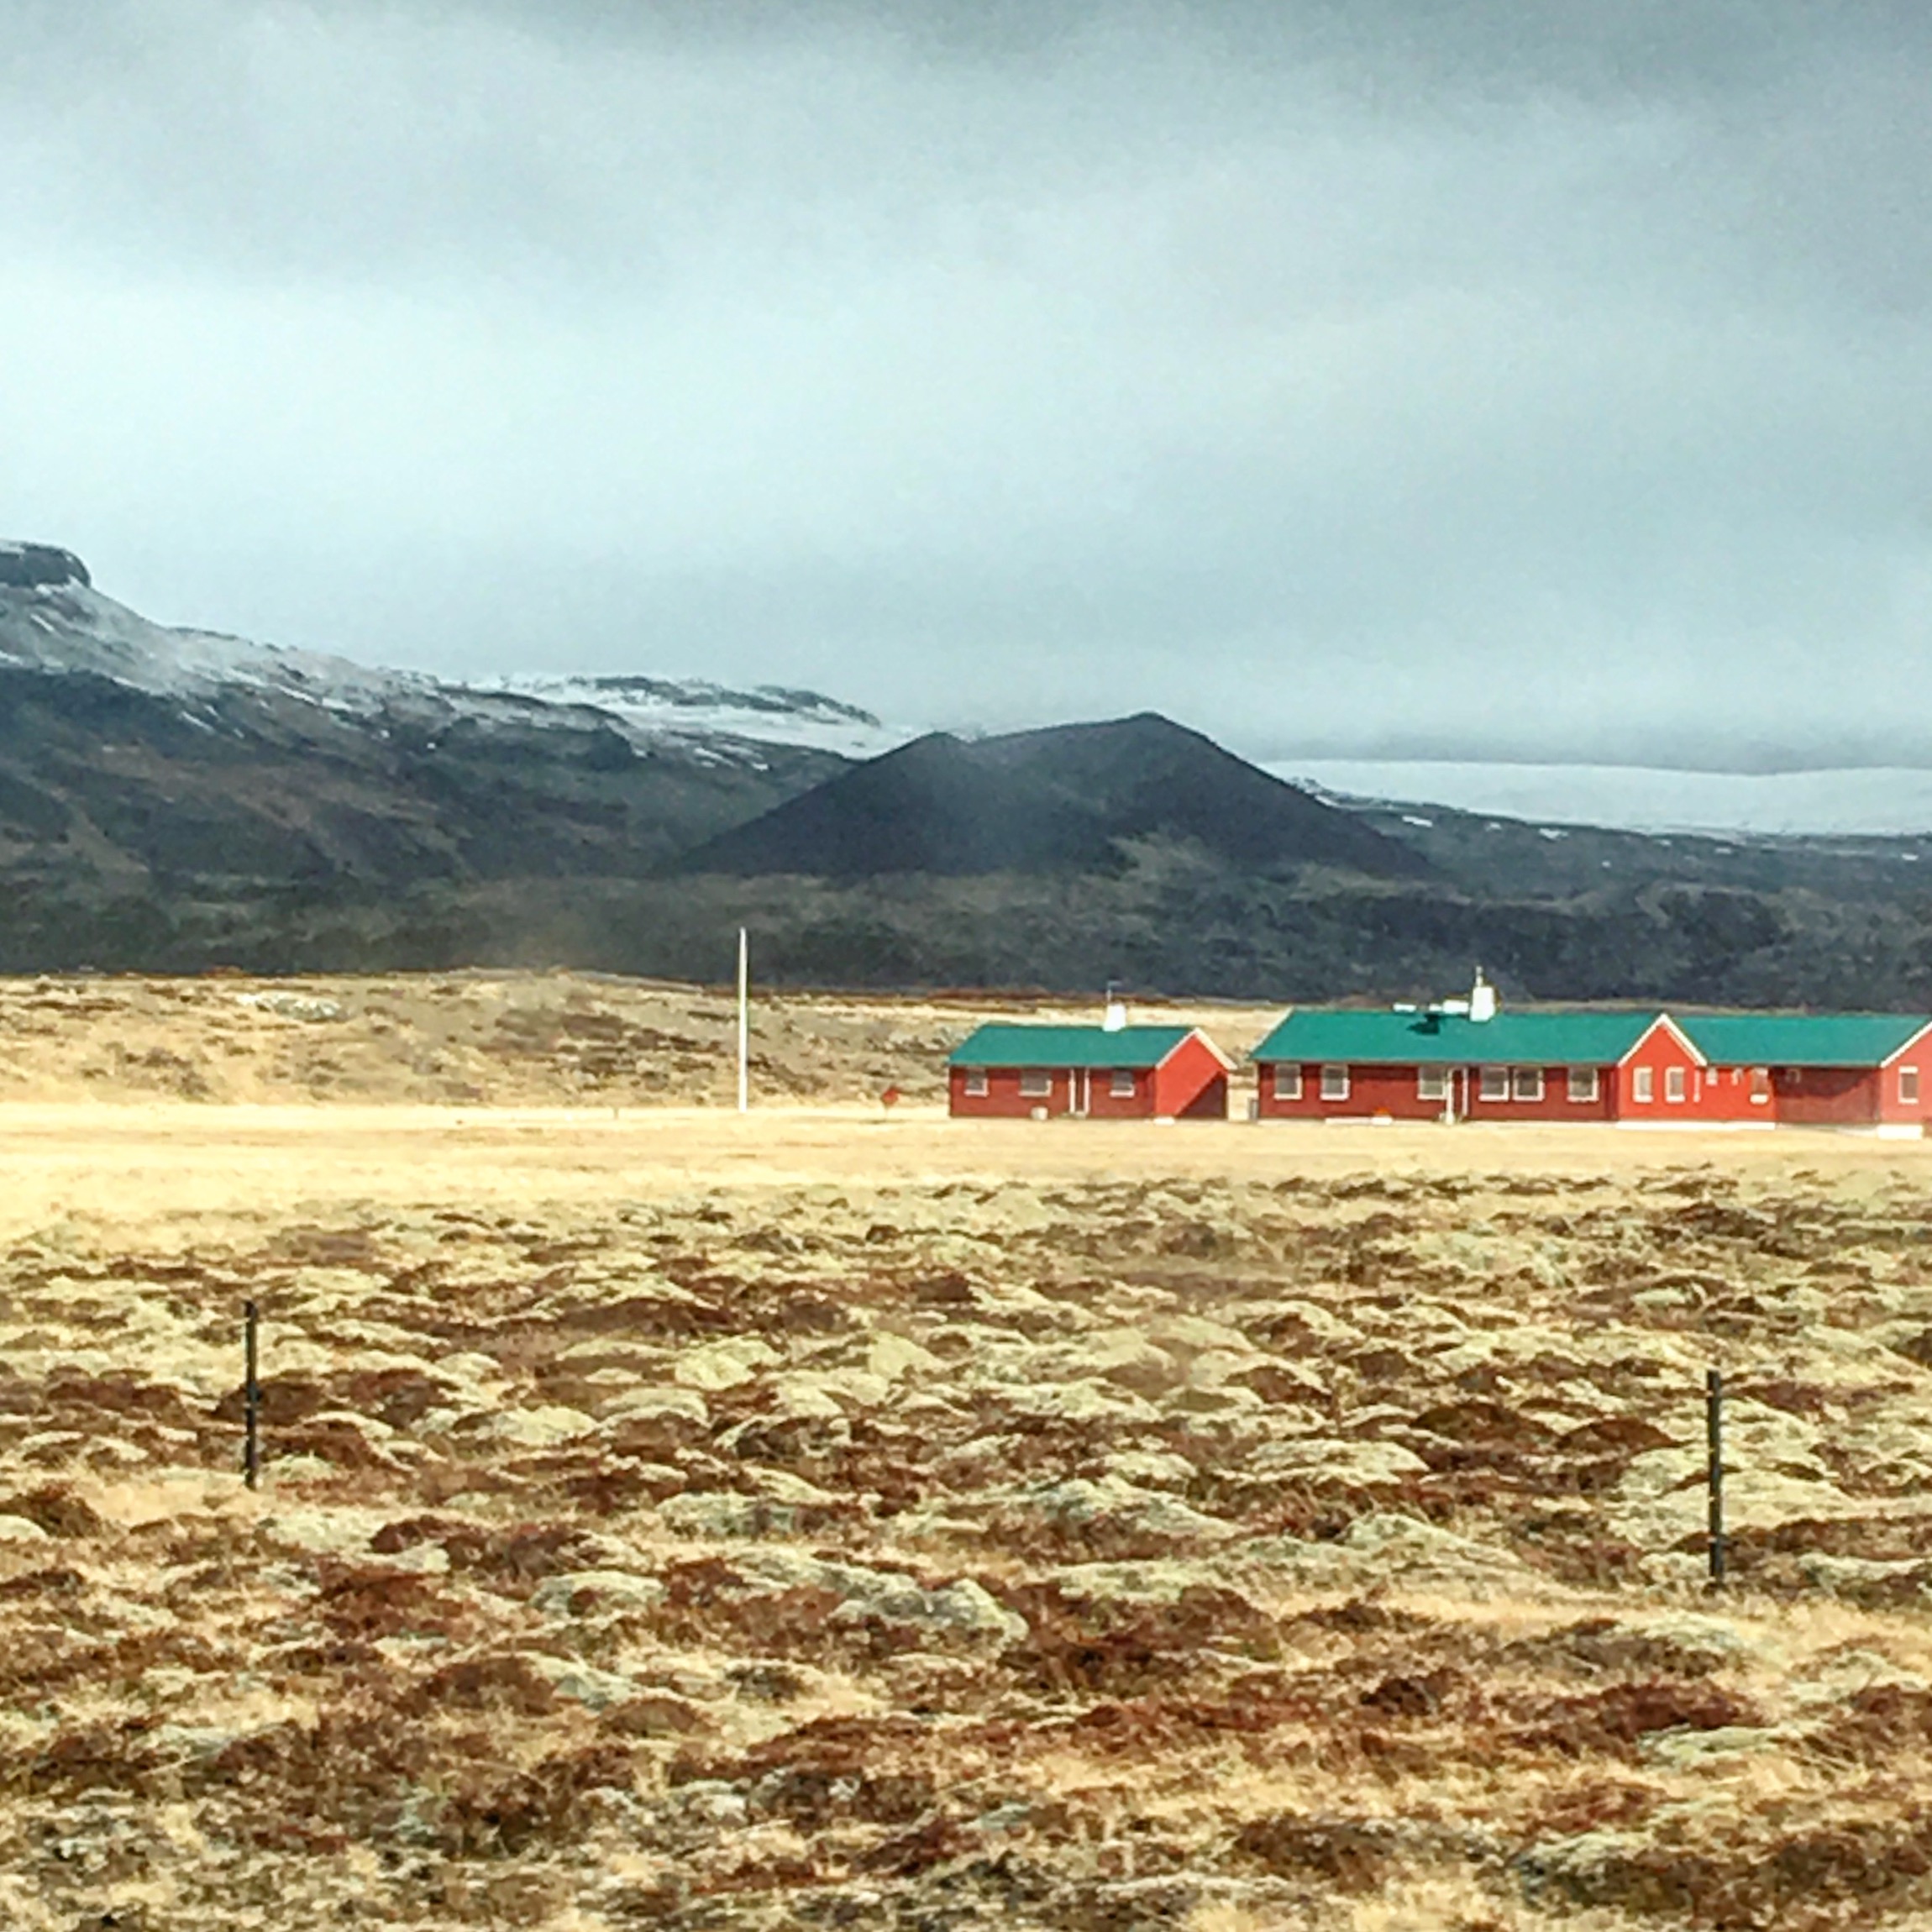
x: 1372, y: 1090
x: 1391, y: 1090
x: 1191, y: 1084
x: 1003, y: 1097
x: 1812, y: 1096
x: 1828, y: 1096
x: 1917, y: 1055
x: 1101, y: 1104
x: 1727, y: 1094
x: 1556, y: 1104
x: 1707, y: 1097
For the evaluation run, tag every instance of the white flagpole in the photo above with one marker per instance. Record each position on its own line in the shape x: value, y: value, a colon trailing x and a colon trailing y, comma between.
x: 743, y: 1021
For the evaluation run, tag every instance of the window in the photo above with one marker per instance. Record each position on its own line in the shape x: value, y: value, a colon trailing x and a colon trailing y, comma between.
x: 1529, y: 1084
x: 1582, y: 1085
x: 1431, y: 1083
x: 1643, y: 1083
x: 976, y: 1083
x: 1036, y: 1086
x: 1673, y: 1083
x: 1122, y: 1085
x: 1760, y: 1086
x: 1288, y: 1083
x: 1335, y: 1083
x: 1494, y: 1084
x: 1908, y: 1085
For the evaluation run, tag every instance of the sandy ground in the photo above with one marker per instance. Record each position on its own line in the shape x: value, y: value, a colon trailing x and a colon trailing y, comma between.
x: 162, y: 1163
x: 846, y: 1517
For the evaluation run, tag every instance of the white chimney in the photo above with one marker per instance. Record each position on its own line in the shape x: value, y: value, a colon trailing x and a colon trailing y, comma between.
x: 1117, y: 1017
x: 1482, y: 999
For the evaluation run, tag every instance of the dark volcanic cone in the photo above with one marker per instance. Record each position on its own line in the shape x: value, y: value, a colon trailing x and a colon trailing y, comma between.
x: 1049, y: 800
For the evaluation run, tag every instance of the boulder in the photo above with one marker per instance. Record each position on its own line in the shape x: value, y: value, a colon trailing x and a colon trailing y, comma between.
x: 724, y: 1364
x: 685, y: 1405
x: 540, y: 1428
x: 593, y: 1592
x: 964, y: 1609
x: 1080, y: 1401
x: 1333, y: 1463
x: 1120, y: 1514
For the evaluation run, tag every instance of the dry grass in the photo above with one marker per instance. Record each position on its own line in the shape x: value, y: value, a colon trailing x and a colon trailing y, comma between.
x: 543, y: 1040
x: 678, y: 1521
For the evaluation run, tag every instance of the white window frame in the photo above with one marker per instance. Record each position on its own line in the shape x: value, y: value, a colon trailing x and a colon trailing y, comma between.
x: 1492, y: 1085
x: 1908, y: 1086
x: 1036, y: 1085
x: 1761, y: 1086
x: 977, y: 1086
x: 1526, y: 1084
x: 1643, y: 1084
x: 1120, y: 1083
x: 1288, y: 1080
x: 1335, y: 1083
x: 1432, y: 1083
x: 1677, y: 1085
x: 1584, y: 1086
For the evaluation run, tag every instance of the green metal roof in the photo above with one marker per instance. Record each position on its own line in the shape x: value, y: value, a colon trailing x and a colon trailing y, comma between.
x: 1030, y: 1045
x: 1802, y: 1039
x: 1396, y: 1039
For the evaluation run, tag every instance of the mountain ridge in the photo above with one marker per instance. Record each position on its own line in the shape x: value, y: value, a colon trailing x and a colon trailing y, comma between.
x: 1061, y: 798
x: 136, y: 758
x: 172, y: 800
x: 54, y: 620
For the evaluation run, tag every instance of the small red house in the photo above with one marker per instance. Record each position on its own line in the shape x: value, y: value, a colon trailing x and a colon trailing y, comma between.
x: 1869, y: 1070
x: 1107, y: 1071
x: 1459, y: 1064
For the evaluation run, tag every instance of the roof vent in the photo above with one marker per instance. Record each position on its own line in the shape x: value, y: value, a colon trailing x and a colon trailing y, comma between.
x: 1117, y: 1017
x: 1482, y: 999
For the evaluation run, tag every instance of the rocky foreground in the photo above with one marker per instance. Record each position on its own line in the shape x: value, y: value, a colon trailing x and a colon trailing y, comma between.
x: 1103, y: 1556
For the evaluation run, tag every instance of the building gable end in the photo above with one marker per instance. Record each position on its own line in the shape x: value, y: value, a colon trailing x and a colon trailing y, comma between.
x: 1664, y: 1021
x: 1905, y: 1046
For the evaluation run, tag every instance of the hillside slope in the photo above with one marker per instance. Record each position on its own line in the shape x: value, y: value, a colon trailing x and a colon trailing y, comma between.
x: 174, y: 800
x: 181, y: 767
x: 1064, y: 799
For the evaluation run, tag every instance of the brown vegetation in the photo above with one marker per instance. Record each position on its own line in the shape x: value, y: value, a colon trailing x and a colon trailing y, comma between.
x: 1043, y: 1539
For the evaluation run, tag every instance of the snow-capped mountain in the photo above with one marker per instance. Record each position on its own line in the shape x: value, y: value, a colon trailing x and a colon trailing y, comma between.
x: 52, y: 619
x: 68, y: 626
x: 137, y: 757
x: 692, y: 708
x: 1865, y: 802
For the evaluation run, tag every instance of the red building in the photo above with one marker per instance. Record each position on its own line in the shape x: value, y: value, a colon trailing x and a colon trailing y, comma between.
x: 1107, y: 1071
x: 1871, y: 1070
x: 1455, y: 1064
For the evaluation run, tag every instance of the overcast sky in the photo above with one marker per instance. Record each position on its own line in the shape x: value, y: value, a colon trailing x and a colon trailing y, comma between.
x: 1372, y: 377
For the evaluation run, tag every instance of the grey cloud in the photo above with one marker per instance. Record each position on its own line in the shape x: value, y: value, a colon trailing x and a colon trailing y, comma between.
x: 1343, y: 377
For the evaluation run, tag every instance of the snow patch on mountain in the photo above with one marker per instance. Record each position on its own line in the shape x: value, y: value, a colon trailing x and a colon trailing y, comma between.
x: 53, y: 621
x: 1878, y: 802
x: 688, y: 707
x: 72, y: 628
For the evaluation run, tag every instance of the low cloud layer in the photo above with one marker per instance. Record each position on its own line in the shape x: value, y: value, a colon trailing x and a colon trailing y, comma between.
x: 1351, y: 379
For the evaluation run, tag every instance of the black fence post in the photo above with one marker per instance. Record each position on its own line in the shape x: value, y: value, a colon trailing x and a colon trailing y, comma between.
x: 251, y: 1402
x: 1713, y: 1476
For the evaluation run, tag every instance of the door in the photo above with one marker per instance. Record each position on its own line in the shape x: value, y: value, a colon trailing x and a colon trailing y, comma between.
x: 1077, y: 1089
